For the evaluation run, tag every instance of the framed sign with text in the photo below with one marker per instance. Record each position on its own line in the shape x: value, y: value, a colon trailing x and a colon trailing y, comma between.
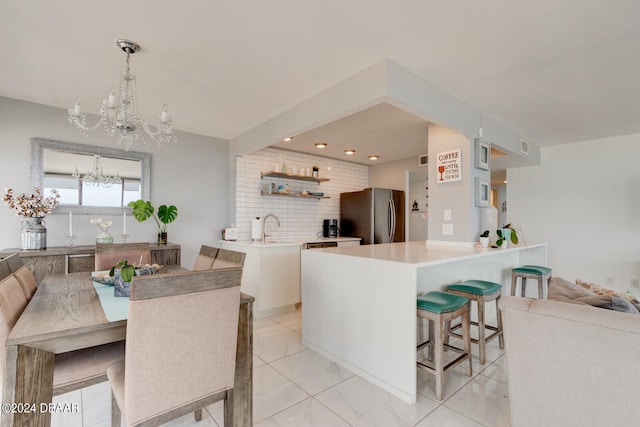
x: 449, y: 166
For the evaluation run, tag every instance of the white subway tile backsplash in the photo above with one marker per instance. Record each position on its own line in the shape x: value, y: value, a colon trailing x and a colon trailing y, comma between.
x: 298, y: 217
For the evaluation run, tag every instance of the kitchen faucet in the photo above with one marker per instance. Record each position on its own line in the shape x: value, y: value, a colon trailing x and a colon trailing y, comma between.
x: 264, y: 224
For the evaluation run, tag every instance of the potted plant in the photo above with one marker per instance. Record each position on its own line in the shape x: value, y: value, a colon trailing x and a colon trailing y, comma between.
x: 505, y: 234
x: 484, y: 239
x: 123, y: 273
x: 143, y: 210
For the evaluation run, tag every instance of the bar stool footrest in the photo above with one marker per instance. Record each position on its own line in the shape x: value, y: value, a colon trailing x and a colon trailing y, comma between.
x: 496, y: 332
x: 455, y: 362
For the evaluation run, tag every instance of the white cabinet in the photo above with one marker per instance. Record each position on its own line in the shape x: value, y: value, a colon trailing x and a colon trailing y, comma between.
x: 271, y: 274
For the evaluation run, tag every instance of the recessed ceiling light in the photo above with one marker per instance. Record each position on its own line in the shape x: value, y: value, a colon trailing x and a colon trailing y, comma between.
x: 349, y: 151
x: 287, y: 139
x: 320, y: 144
x: 374, y: 157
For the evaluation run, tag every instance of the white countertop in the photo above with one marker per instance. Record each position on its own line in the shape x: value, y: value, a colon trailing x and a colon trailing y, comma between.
x: 292, y: 241
x: 421, y: 253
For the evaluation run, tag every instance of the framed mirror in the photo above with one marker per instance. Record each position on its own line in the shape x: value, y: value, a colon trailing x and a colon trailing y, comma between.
x: 91, y: 180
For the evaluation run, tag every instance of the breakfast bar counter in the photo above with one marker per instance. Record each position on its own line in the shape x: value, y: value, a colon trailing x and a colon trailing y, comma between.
x: 359, y: 302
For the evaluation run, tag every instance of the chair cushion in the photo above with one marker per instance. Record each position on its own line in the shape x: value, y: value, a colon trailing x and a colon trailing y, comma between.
x: 12, y: 299
x: 84, y: 367
x: 27, y: 281
x: 441, y: 302
x: 115, y: 374
x: 476, y: 287
x: 533, y: 269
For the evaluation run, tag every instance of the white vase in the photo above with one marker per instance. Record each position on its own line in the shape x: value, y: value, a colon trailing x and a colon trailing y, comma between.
x: 484, y: 242
x: 506, y: 237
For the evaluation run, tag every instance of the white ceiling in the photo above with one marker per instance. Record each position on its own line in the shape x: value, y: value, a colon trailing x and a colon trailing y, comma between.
x: 382, y: 130
x: 554, y: 71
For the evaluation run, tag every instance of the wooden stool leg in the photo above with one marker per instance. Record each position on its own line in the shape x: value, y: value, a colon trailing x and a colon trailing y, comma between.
x: 540, y: 294
x: 431, y: 340
x: 514, y: 284
x: 481, y: 333
x: 523, y: 286
x: 439, y: 336
x: 499, y: 316
x: 466, y: 336
x: 447, y: 331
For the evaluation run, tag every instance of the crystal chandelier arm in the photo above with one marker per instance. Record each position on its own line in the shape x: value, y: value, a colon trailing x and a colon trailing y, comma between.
x: 79, y: 119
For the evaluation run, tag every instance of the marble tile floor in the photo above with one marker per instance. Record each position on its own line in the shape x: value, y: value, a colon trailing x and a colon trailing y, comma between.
x: 294, y: 386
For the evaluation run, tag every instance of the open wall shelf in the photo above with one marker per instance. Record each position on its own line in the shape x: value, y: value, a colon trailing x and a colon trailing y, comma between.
x: 296, y: 177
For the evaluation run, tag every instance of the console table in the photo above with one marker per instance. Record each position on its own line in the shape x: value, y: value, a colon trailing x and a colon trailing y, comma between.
x: 78, y: 259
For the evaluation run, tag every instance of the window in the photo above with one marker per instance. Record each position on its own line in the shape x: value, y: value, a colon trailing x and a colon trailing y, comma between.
x: 73, y: 194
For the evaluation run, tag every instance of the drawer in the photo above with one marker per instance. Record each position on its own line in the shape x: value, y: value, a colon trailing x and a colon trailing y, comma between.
x: 80, y: 263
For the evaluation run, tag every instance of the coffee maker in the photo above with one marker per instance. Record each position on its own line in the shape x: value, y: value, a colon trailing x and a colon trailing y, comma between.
x: 330, y: 228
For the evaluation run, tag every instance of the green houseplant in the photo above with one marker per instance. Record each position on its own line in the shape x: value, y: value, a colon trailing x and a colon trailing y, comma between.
x: 484, y: 239
x: 505, y: 234
x: 143, y: 210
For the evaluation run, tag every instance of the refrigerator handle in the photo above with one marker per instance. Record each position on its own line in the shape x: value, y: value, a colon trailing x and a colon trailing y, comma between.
x: 392, y: 232
x: 389, y: 219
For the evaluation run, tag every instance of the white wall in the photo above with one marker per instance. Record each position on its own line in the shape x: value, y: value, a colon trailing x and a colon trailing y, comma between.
x: 193, y: 175
x: 584, y: 200
x: 392, y: 174
x: 417, y: 222
x: 454, y: 196
x: 299, y: 217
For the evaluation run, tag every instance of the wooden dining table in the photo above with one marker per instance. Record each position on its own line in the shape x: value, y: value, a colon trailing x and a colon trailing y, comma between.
x: 66, y: 314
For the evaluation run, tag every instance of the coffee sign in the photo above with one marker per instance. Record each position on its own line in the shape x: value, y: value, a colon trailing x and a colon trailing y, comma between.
x: 449, y: 166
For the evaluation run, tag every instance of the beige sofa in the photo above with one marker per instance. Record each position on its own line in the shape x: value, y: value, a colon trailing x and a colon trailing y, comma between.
x: 571, y: 364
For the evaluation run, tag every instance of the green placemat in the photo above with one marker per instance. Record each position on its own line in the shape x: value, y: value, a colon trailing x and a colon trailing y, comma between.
x: 115, y: 308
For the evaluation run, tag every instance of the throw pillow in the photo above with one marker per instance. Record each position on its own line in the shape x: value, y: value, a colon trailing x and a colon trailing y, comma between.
x: 599, y: 290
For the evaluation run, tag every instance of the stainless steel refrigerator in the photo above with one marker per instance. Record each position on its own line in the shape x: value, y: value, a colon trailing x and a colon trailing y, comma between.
x: 375, y: 214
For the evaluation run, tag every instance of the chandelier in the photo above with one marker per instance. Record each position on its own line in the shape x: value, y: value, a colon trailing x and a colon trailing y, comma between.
x: 96, y: 177
x: 119, y: 112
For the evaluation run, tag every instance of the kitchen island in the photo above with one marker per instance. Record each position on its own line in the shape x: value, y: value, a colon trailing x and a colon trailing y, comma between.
x: 359, y: 302
x: 272, y: 270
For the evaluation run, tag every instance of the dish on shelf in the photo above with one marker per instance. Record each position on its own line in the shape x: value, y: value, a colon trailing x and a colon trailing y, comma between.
x: 315, y: 194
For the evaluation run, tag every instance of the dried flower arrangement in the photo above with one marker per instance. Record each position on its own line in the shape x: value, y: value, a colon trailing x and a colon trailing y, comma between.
x: 33, y: 206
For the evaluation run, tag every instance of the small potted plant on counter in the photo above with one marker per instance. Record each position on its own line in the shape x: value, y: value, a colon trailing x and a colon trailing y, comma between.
x: 505, y: 234
x: 143, y: 210
x: 484, y: 239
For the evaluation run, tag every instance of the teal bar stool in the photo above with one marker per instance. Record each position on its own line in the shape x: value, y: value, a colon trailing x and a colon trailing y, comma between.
x: 439, y: 308
x: 481, y: 292
x: 540, y: 273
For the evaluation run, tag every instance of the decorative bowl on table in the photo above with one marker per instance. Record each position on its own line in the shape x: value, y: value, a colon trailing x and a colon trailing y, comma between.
x: 102, y: 277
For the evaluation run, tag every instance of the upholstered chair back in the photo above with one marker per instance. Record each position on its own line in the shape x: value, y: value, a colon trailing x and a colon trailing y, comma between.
x: 205, y: 258
x: 227, y: 258
x: 23, y: 274
x: 181, y: 340
x: 12, y: 299
x: 12, y: 303
x: 134, y: 253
